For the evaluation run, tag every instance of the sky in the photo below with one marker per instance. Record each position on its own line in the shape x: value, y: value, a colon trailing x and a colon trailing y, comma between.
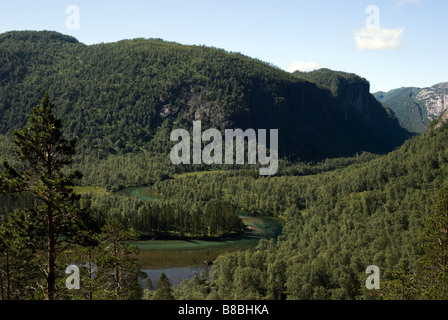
x: 391, y: 43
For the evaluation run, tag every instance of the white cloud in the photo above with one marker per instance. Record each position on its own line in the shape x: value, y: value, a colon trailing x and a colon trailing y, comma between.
x: 403, y: 2
x: 302, y: 66
x: 378, y: 38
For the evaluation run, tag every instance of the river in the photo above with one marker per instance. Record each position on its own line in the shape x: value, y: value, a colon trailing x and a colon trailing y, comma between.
x: 181, y: 259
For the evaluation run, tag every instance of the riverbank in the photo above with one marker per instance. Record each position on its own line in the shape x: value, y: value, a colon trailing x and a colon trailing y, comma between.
x: 180, y: 258
x: 164, y: 253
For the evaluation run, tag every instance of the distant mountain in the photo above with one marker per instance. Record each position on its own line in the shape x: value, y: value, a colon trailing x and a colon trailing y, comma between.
x: 127, y: 96
x: 414, y: 107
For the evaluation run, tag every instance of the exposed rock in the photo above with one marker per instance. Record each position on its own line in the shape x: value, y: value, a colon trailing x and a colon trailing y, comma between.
x: 198, y: 107
x: 442, y: 120
x: 435, y: 98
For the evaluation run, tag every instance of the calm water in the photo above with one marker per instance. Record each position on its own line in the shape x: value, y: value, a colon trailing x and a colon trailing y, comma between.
x: 181, y: 259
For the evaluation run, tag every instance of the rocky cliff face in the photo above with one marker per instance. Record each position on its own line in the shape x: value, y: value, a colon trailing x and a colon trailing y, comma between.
x: 414, y: 107
x: 127, y: 96
x: 441, y: 120
x: 355, y: 97
x: 435, y: 99
x: 352, y: 95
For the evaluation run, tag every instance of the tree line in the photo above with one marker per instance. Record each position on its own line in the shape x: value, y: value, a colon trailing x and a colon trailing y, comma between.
x: 168, y: 218
x: 337, y: 223
x: 212, y: 220
x: 38, y: 239
x: 341, y: 216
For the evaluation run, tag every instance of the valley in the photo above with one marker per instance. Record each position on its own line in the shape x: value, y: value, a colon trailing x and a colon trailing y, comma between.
x: 88, y: 177
x: 416, y: 107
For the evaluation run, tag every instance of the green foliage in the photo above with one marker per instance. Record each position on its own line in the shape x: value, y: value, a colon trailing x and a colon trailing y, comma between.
x: 435, y: 249
x: 249, y: 274
x: 123, y: 99
x: 195, y: 288
x: 44, y: 153
x: 163, y: 289
x: 54, y: 222
x: 338, y: 223
x: 404, y: 285
x: 411, y: 113
x: 109, y: 270
x: 173, y: 219
x: 336, y: 81
x: 118, y: 272
x: 19, y: 264
x: 126, y: 97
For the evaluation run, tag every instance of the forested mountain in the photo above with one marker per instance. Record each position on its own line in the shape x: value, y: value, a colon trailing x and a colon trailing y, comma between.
x: 126, y: 97
x: 123, y: 99
x: 380, y: 212
x: 416, y: 107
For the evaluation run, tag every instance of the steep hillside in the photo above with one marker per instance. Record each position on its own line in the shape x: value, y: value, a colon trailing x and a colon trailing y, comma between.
x: 435, y: 99
x: 414, y: 107
x: 337, y: 223
x: 127, y: 96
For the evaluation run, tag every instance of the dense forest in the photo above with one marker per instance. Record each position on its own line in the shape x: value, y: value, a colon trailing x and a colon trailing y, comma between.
x: 339, y: 222
x: 342, y: 216
x: 362, y: 206
x: 412, y: 113
x: 126, y: 97
x: 175, y: 218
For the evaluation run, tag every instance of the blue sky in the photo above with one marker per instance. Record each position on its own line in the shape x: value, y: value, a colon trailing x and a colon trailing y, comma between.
x: 395, y: 43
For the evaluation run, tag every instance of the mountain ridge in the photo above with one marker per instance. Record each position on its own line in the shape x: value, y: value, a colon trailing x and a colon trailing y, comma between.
x: 416, y: 107
x: 126, y: 96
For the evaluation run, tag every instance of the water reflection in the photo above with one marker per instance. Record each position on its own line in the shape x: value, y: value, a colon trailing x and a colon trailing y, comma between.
x: 181, y: 259
x: 175, y: 275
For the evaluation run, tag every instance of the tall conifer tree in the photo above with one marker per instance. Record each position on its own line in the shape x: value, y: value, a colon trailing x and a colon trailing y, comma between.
x: 45, y: 153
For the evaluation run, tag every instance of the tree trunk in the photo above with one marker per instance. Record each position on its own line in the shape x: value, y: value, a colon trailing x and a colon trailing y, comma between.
x: 89, y: 258
x: 6, y: 273
x: 117, y: 271
x: 51, y: 277
x: 51, y: 280
x: 1, y: 285
x: 8, y: 277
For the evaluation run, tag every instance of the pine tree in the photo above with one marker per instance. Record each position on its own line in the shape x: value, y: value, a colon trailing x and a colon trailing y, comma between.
x: 44, y: 154
x: 163, y: 289
x: 118, y: 268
